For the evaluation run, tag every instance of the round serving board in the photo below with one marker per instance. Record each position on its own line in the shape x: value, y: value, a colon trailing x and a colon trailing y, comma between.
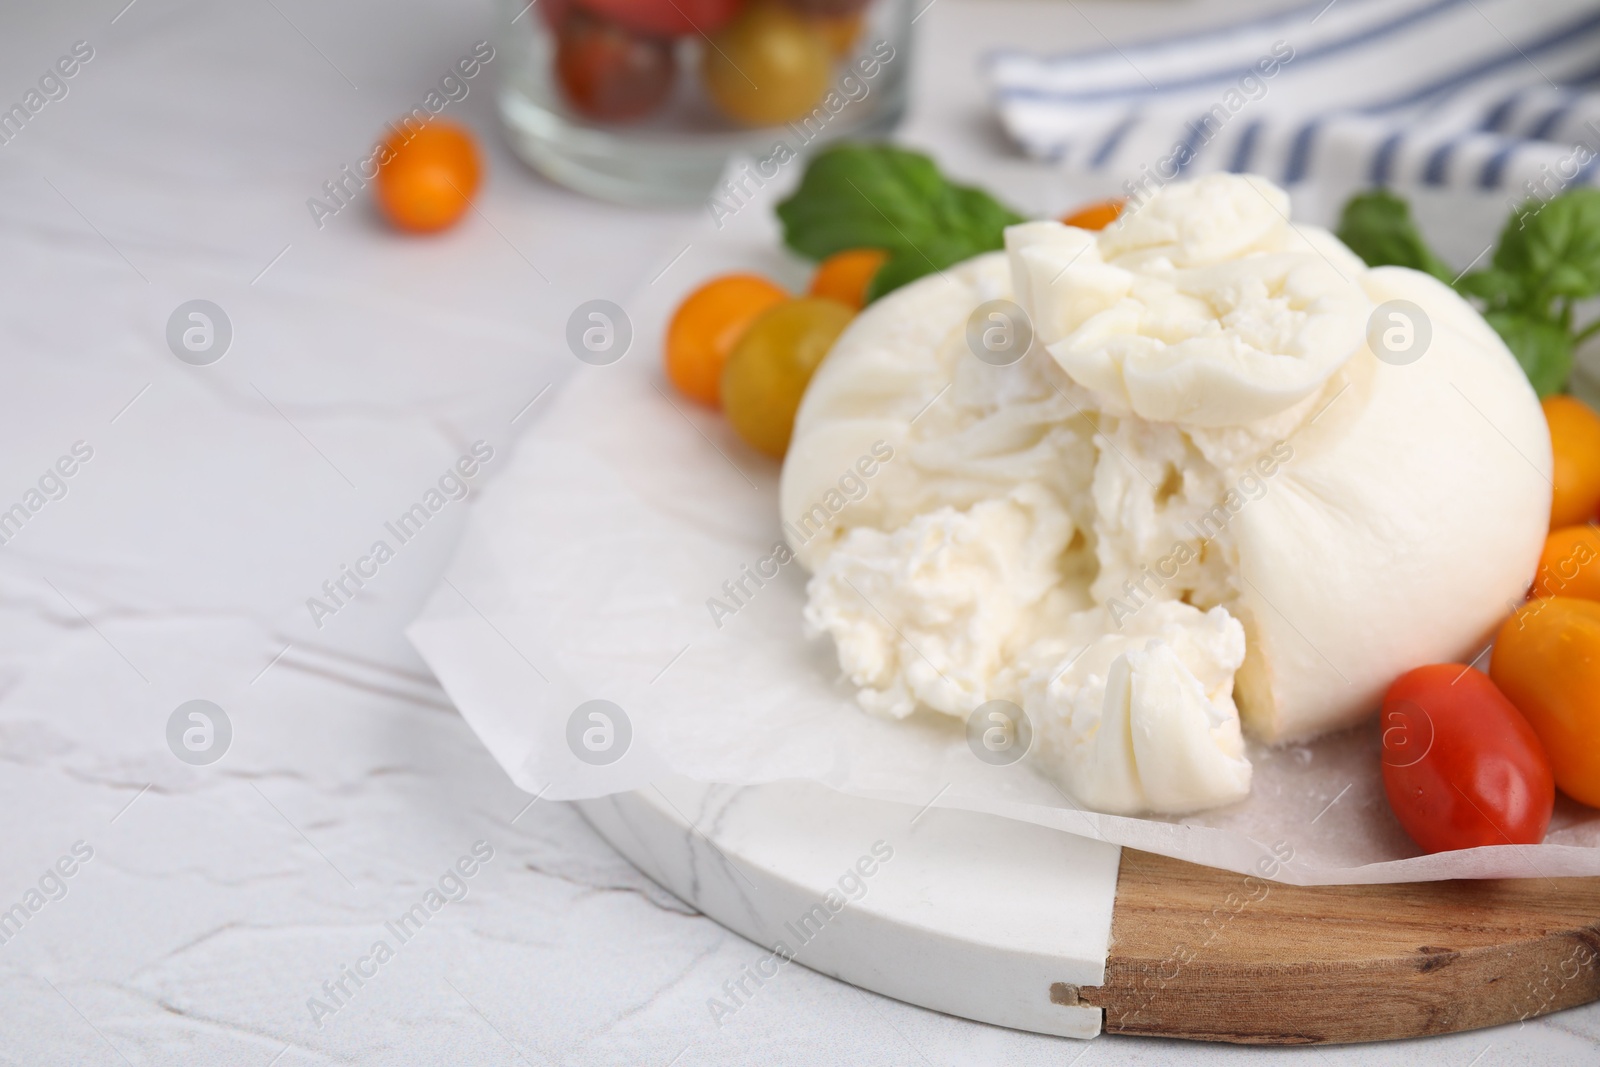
x: 1022, y: 926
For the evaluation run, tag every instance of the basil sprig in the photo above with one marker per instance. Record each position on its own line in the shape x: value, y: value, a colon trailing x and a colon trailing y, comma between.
x: 1546, y: 262
x: 878, y: 196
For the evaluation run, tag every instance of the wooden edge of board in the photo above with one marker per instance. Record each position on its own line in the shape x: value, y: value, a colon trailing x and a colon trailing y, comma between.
x: 1212, y: 955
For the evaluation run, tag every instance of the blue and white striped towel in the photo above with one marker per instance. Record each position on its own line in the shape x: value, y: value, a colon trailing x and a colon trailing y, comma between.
x: 1466, y: 94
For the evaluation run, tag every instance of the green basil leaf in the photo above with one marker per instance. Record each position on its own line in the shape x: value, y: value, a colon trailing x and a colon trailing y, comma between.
x: 1554, y: 245
x: 1567, y: 280
x: 1542, y: 347
x: 877, y: 196
x: 1377, y: 226
x: 1497, y: 289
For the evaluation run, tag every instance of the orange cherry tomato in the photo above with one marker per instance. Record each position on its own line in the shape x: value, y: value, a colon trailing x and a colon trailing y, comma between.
x: 1096, y: 216
x: 844, y: 276
x: 1570, y: 564
x: 708, y: 324
x: 1575, y: 441
x: 426, y: 177
x: 770, y: 367
x: 1547, y: 661
x: 1461, y: 766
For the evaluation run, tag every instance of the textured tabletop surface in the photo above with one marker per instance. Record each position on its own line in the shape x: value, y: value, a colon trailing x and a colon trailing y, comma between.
x: 163, y: 912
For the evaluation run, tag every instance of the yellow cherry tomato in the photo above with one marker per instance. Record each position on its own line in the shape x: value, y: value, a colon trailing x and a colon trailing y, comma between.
x: 426, y: 177
x: 1570, y: 564
x: 771, y: 365
x: 1547, y: 661
x: 844, y: 276
x: 707, y: 325
x: 1575, y: 442
x: 1096, y: 216
x: 768, y: 66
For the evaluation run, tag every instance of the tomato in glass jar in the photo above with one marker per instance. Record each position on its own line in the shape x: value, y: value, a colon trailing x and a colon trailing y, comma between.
x: 553, y: 12
x: 609, y: 72
x: 832, y: 8
x: 841, y: 32
x: 767, y: 66
x: 667, y: 18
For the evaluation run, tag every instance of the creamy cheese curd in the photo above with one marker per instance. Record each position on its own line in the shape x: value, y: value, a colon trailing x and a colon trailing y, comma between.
x: 1199, y: 506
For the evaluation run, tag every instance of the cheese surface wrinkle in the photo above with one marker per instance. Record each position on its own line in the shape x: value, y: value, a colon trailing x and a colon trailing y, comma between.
x: 1198, y: 508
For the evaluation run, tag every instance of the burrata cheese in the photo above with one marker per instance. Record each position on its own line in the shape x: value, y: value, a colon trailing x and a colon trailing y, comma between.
x: 1199, y: 507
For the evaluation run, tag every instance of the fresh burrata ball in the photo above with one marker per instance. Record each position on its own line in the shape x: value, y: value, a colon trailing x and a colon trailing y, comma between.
x: 1199, y: 506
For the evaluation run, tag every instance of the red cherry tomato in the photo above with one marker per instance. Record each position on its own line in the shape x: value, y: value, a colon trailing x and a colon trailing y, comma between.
x: 667, y: 18
x: 609, y: 72
x: 1462, y: 767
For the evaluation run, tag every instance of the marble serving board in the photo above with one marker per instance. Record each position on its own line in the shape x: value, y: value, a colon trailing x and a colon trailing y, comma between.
x: 1021, y: 926
x: 968, y: 914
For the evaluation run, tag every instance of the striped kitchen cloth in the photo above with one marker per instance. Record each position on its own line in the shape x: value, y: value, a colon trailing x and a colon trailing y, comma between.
x: 1466, y: 94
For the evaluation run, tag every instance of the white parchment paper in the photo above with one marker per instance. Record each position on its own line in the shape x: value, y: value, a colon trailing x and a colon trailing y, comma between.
x: 584, y: 575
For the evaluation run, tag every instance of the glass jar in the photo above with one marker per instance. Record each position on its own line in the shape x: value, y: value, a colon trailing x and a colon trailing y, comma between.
x: 644, y: 101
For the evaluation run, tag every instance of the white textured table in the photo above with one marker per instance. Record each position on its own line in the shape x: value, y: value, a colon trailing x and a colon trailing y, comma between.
x: 217, y: 901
